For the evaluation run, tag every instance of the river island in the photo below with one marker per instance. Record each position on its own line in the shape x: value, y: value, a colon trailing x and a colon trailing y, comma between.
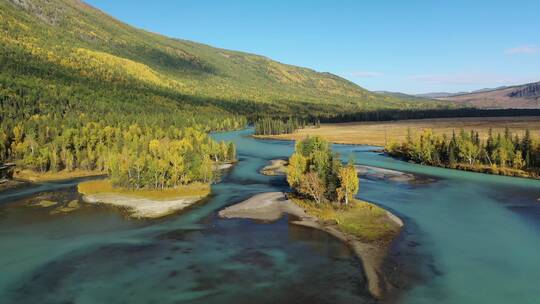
x: 322, y: 197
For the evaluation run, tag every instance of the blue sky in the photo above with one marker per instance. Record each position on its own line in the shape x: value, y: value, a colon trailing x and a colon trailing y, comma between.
x: 403, y: 45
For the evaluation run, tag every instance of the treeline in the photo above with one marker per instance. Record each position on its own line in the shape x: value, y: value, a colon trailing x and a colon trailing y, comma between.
x: 276, y: 126
x: 135, y: 156
x: 165, y: 161
x: 505, y: 154
x: 389, y: 115
x: 316, y: 173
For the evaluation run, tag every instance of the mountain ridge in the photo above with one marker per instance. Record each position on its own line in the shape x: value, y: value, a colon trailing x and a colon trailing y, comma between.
x: 80, y: 41
x: 524, y: 96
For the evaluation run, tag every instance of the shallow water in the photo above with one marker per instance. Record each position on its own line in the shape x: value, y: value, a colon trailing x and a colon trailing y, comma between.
x: 469, y: 238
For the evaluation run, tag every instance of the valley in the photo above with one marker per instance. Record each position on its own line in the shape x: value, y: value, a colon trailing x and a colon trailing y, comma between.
x: 206, y: 152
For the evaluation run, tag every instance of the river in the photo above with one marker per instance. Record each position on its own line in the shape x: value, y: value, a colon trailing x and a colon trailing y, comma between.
x: 469, y: 238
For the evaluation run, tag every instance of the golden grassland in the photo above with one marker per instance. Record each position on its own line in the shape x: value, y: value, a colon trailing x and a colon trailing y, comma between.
x: 381, y: 133
x: 364, y: 220
x: 34, y: 176
x: 106, y: 186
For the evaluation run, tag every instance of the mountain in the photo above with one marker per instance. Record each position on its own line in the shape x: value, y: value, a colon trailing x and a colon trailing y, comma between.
x: 403, y: 96
x: 53, y: 50
x: 443, y: 95
x: 438, y: 94
x: 525, y: 96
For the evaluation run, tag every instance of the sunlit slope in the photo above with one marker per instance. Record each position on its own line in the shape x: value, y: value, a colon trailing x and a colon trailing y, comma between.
x: 63, y: 41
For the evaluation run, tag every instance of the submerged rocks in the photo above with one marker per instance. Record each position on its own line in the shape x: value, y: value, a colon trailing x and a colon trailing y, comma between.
x: 69, y: 207
x: 277, y: 167
x: 45, y: 203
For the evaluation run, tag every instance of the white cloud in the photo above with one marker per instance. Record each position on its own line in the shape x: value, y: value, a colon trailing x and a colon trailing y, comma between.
x: 366, y: 74
x: 523, y: 49
x: 468, y: 79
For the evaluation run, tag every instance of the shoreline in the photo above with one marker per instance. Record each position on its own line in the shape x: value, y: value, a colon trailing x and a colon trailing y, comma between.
x: 143, y: 204
x: 401, y: 177
x: 509, y: 172
x: 275, y: 167
x: 271, y: 206
x: 12, y: 184
x: 38, y: 177
x: 291, y: 137
x: 142, y: 208
x: 278, y: 167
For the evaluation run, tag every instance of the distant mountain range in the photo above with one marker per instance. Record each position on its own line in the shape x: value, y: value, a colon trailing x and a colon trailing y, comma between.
x: 526, y: 96
x: 447, y: 94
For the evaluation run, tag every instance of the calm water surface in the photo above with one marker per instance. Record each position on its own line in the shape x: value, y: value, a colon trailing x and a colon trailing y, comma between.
x: 469, y: 238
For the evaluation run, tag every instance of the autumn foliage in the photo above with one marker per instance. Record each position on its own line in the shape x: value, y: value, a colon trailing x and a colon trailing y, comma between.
x: 315, y: 172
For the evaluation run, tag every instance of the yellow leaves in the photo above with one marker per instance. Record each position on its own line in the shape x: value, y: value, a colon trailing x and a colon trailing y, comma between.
x: 349, y: 183
x: 296, y: 169
x: 285, y: 74
x: 112, y: 67
x: 427, y: 133
x: 153, y: 146
x: 18, y: 133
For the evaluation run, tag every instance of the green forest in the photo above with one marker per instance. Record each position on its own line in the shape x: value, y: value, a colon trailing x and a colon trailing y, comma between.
x: 134, y: 156
x: 80, y: 90
x: 505, y: 154
x: 275, y: 126
x: 316, y: 173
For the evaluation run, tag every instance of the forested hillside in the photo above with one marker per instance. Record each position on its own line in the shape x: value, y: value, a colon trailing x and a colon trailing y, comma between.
x: 65, y: 41
x: 81, y: 90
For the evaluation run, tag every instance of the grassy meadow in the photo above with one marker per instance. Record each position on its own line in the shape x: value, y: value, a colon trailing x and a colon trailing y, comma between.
x: 33, y: 176
x: 361, y: 219
x: 380, y: 133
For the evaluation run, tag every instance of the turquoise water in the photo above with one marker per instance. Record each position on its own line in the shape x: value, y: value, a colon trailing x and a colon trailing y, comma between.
x: 469, y: 238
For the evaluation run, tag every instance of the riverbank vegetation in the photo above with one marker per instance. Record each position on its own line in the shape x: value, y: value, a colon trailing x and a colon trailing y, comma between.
x: 315, y: 172
x: 363, y: 220
x: 505, y: 154
x: 107, y: 186
x: 135, y: 156
x: 326, y: 189
x: 37, y: 176
x: 275, y: 126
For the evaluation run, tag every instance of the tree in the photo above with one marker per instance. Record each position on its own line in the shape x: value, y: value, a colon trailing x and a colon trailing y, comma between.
x: 295, y: 170
x: 506, y: 149
x: 526, y: 147
x: 467, y: 149
x: 312, y: 186
x: 517, y: 162
x: 231, y: 152
x: 349, y: 183
x: 317, y: 173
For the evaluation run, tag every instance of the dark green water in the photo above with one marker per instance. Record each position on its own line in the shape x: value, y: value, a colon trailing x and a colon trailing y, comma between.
x: 470, y: 238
